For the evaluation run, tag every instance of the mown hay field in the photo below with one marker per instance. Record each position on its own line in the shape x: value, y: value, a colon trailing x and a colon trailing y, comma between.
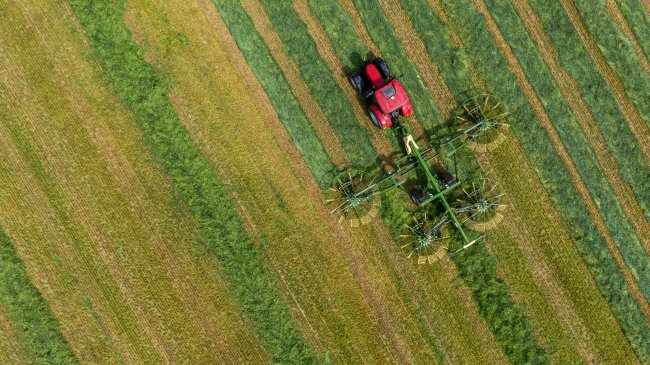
x: 164, y: 167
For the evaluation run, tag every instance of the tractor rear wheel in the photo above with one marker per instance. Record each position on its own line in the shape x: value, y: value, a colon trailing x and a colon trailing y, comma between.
x: 382, y: 66
x: 357, y: 82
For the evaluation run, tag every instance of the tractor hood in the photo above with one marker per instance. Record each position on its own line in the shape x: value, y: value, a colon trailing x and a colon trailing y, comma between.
x: 391, y: 97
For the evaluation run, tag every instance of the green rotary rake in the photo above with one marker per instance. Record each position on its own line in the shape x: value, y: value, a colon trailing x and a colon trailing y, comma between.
x: 355, y: 195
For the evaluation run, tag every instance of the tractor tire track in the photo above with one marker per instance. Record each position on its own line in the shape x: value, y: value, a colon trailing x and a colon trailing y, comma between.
x: 636, y: 123
x: 615, y: 13
x: 326, y: 51
x: 582, y: 113
x: 298, y: 86
x: 419, y: 57
x: 540, y: 112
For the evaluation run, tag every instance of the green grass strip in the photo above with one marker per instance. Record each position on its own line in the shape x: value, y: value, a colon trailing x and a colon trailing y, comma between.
x: 452, y: 61
x: 29, y: 312
x: 322, y: 85
x: 384, y: 36
x: 618, y: 52
x: 194, y: 181
x: 575, y: 141
x: 553, y: 174
x: 639, y: 22
x: 620, y: 140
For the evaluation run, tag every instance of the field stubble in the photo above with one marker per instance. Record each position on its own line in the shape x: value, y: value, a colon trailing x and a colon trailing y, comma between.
x: 94, y: 205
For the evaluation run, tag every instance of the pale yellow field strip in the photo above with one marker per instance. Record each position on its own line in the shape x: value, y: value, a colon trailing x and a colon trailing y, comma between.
x: 299, y: 87
x: 131, y: 249
x: 615, y: 13
x: 540, y: 112
x: 614, y: 83
x: 582, y: 113
x: 317, y: 275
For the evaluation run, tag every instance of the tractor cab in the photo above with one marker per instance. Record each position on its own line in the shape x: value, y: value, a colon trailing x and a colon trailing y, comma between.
x: 392, y: 97
x: 385, y: 95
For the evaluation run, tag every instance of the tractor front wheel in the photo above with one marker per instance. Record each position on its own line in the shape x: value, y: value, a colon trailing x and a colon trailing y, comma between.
x: 381, y: 120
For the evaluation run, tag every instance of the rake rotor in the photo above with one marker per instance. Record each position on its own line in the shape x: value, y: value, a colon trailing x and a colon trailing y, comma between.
x: 486, y: 113
x: 351, y: 200
x: 425, y: 238
x: 481, y: 206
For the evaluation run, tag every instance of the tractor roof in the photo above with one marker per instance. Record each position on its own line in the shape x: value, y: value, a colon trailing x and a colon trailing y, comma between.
x: 391, y: 97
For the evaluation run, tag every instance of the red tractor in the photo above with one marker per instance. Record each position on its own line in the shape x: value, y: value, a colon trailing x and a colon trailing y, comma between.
x: 385, y: 96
